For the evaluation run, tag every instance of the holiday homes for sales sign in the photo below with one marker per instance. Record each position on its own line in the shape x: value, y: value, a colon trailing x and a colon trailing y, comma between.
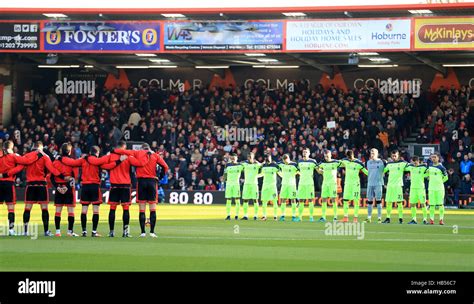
x: 348, y: 35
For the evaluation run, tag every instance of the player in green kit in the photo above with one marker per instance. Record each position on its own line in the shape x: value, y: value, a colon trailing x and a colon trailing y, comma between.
x: 250, y: 190
x: 328, y: 168
x: 417, y: 188
x: 269, y: 193
x: 396, y: 170
x: 305, y: 193
x: 232, y: 173
x: 288, y: 173
x: 437, y: 176
x: 352, y: 168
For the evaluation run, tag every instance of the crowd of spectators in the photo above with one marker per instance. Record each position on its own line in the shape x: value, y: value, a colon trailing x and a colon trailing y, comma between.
x: 451, y: 125
x: 190, y: 128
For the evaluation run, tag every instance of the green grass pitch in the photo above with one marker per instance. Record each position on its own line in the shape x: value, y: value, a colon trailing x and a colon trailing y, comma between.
x: 196, y: 238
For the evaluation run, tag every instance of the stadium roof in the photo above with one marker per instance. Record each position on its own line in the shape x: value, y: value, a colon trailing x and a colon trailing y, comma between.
x: 252, y: 10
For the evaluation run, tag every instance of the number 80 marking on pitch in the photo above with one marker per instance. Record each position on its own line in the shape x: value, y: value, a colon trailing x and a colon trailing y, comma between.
x: 198, y: 198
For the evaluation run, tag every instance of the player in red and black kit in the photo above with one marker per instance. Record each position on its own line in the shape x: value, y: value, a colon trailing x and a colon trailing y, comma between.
x: 120, y: 188
x: 147, y: 184
x: 65, y: 191
x: 10, y: 165
x: 36, y: 186
x: 90, y: 191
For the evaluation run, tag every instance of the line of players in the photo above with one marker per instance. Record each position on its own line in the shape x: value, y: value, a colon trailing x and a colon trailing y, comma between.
x: 63, y: 171
x: 375, y: 168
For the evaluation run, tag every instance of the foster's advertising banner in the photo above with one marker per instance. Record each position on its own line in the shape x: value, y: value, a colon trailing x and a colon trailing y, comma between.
x: 95, y: 36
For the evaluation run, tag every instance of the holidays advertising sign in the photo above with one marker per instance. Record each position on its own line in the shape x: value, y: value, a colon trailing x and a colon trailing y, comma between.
x: 19, y: 36
x: 348, y: 35
x: 223, y: 36
x: 444, y: 33
x: 100, y: 36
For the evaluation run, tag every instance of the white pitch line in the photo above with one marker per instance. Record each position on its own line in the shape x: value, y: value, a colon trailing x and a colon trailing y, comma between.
x: 322, y: 230
x: 310, y: 239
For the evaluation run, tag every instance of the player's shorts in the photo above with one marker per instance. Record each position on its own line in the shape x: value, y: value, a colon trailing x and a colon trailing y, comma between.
x: 120, y: 194
x: 374, y: 192
x: 7, y: 193
x: 436, y: 197
x: 305, y: 192
x: 147, y: 190
x: 67, y: 199
x: 250, y: 191
x: 90, y: 194
x: 288, y: 192
x: 269, y: 194
x: 351, y: 193
x: 36, y: 192
x: 394, y: 194
x: 328, y: 191
x: 232, y: 191
x: 417, y: 196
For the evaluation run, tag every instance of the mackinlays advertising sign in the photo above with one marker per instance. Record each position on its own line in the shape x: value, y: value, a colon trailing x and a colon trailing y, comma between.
x: 444, y: 33
x: 109, y: 36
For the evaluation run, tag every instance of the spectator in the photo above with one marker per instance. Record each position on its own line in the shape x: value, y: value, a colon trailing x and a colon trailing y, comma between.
x: 466, y: 165
x: 466, y: 185
x: 454, y: 185
x: 423, y: 137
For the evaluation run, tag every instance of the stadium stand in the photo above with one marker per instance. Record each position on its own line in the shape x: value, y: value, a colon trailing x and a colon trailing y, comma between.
x: 183, y: 126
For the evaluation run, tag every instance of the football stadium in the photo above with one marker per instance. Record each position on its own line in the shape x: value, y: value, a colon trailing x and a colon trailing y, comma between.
x: 237, y: 136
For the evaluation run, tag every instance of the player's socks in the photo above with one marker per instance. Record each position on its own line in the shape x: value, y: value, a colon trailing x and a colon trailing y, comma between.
x: 152, y: 221
x: 26, y: 219
x: 84, y: 221
x: 95, y: 221
x: 11, y: 220
x: 413, y: 213
x: 389, y: 209
x: 425, y: 211
x: 300, y: 210
x: 324, y: 209
x: 45, y: 218
x: 293, y: 209
x: 57, y: 220
x: 126, y: 219
x: 400, y: 210
x: 111, y: 219
x: 142, y: 218
x: 379, y: 209
x: 275, y: 210
x: 345, y: 207
x: 255, y: 209
x: 370, y: 207
x: 283, y: 209
x: 228, y: 205
x: 334, y: 210
x: 237, y: 208
x: 311, y: 209
x: 432, y: 212
x: 356, y: 209
x: 70, y: 221
x: 264, y: 209
x: 441, y: 212
x: 246, y: 209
